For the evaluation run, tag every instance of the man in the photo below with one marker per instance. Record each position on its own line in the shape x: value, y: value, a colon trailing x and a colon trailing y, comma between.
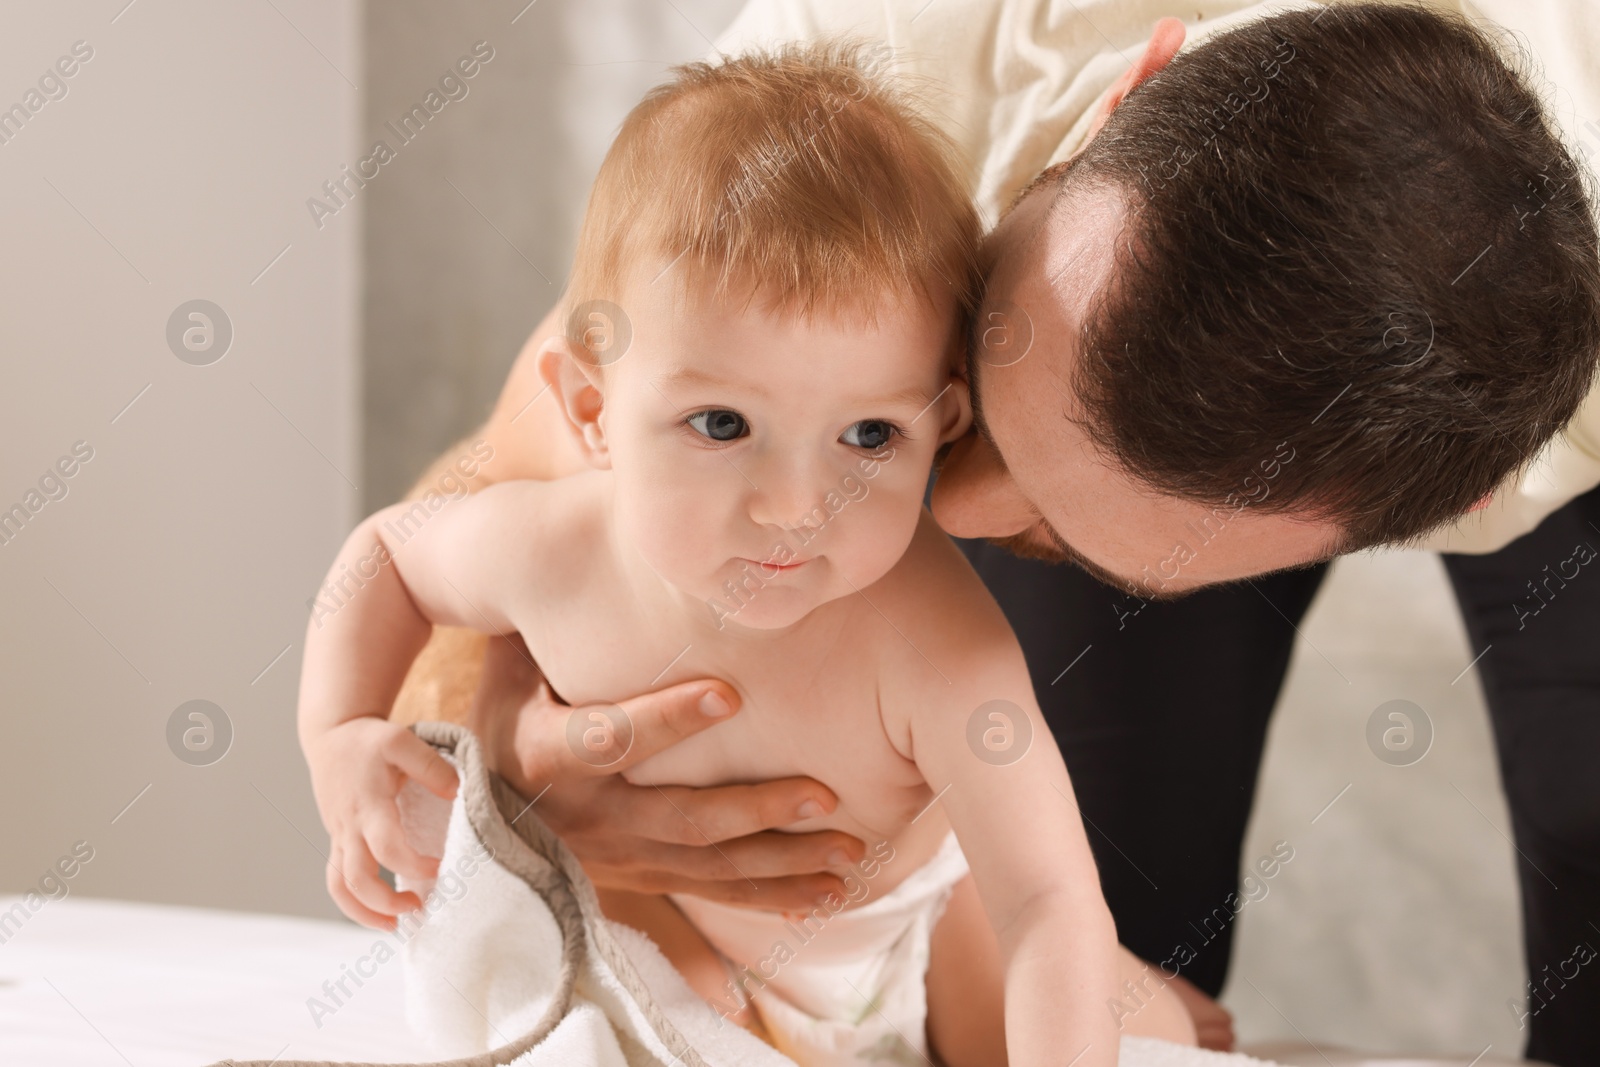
x: 1319, y: 284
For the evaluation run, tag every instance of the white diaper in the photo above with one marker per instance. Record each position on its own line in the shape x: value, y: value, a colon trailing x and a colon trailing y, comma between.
x: 838, y: 988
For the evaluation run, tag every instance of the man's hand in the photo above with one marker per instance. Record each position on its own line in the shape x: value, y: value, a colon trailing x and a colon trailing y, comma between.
x: 357, y: 770
x: 719, y: 843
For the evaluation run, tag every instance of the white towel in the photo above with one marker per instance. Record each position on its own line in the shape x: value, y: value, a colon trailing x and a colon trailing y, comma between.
x: 511, y: 962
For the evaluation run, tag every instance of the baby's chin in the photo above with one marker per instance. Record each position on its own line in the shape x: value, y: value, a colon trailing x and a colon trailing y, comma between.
x: 771, y: 607
x: 783, y: 601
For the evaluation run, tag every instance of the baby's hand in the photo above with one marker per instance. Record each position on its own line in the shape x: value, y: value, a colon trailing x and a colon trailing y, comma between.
x: 357, y: 770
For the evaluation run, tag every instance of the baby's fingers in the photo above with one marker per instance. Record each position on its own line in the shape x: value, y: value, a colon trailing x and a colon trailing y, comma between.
x: 416, y: 759
x: 389, y: 845
x: 360, y: 871
x: 347, y: 902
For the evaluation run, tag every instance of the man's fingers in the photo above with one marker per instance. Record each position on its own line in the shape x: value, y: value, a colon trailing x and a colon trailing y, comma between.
x: 772, y: 894
x: 554, y: 742
x: 756, y: 858
x: 607, y: 738
x: 721, y: 813
x: 418, y: 760
x: 778, y: 855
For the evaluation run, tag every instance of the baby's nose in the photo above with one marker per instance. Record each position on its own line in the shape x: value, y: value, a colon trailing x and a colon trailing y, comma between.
x: 787, y: 496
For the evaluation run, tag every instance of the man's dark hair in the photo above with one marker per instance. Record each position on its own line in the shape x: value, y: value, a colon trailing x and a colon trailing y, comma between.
x: 1353, y: 230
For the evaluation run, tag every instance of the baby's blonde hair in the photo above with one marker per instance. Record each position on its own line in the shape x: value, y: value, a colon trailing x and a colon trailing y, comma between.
x: 795, y: 177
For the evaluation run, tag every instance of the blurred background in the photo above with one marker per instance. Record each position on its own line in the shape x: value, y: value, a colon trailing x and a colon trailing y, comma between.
x: 244, y: 359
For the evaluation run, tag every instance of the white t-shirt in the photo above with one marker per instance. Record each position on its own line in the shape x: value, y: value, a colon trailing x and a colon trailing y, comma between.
x: 1015, y: 84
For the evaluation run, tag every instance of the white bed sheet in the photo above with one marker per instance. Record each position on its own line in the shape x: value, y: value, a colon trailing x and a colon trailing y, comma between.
x: 1296, y: 1054
x: 99, y: 983
x: 96, y: 983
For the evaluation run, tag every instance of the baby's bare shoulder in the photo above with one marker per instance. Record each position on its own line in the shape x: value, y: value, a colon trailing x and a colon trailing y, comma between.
x: 947, y: 639
x: 544, y: 496
x: 541, y: 533
x: 934, y: 592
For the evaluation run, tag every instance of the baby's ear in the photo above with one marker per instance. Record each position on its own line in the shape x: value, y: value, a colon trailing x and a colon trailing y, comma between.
x: 955, y: 409
x: 575, y: 382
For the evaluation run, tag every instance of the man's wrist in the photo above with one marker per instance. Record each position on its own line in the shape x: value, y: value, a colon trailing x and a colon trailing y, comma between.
x: 495, y: 730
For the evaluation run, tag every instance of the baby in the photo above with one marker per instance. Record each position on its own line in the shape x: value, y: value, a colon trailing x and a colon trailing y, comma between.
x: 761, y: 362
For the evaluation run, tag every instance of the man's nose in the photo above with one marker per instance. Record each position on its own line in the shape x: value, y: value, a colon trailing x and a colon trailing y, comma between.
x: 975, y: 495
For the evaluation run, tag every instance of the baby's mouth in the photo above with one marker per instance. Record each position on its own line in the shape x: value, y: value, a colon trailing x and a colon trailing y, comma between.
x: 772, y: 566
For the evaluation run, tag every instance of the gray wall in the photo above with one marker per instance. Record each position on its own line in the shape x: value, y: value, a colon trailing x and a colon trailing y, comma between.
x: 177, y: 565
x: 470, y: 238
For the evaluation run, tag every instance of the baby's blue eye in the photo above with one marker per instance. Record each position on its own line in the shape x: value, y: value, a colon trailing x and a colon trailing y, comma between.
x: 719, y: 424
x: 871, y: 434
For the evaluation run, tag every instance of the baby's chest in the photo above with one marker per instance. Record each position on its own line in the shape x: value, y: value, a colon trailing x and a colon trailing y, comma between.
x: 829, y: 733
x: 805, y: 709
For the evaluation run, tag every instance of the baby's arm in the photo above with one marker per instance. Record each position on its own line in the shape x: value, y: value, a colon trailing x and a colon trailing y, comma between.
x: 400, y: 572
x: 1019, y: 826
x: 1005, y: 790
x: 1012, y: 807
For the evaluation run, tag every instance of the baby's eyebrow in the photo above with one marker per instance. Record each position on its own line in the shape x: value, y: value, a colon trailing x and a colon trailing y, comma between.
x: 689, y: 376
x: 913, y: 395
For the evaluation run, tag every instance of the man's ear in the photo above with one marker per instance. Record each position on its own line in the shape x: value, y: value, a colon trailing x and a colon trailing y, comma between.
x: 575, y: 383
x: 954, y: 409
x: 1164, y: 43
